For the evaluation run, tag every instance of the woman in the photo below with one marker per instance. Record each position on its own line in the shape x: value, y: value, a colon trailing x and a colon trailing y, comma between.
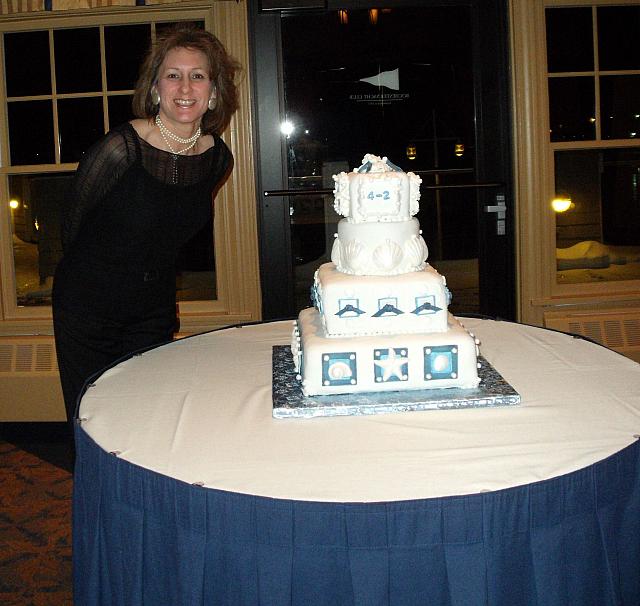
x: 138, y: 195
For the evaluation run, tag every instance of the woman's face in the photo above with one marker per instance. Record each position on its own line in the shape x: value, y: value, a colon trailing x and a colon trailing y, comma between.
x: 184, y: 86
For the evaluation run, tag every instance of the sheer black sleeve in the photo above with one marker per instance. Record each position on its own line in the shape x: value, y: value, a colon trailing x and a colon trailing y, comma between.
x: 99, y: 170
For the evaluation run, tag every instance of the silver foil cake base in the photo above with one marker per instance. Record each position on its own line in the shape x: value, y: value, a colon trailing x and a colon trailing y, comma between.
x: 289, y: 401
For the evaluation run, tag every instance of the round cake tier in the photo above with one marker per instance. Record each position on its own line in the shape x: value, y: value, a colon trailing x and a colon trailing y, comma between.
x: 379, y: 249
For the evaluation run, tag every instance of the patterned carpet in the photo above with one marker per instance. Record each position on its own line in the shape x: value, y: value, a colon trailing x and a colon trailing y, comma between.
x: 35, y: 515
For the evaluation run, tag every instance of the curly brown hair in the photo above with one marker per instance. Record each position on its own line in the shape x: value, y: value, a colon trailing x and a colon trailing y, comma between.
x: 223, y: 70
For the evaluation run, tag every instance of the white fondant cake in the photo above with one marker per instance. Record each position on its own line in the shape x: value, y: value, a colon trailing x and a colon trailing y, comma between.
x: 368, y: 305
x: 370, y: 249
x: 381, y: 320
x: 382, y: 362
x: 377, y: 191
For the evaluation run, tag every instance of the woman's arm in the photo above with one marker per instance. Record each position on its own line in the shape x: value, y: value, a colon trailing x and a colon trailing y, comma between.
x: 100, y: 168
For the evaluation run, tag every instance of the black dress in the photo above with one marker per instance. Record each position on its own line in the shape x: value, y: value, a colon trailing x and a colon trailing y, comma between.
x: 131, y: 208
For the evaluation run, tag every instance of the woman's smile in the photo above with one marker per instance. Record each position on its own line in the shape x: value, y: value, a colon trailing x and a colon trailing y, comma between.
x: 184, y: 87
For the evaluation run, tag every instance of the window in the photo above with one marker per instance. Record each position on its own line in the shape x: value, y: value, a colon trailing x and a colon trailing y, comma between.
x: 593, y: 70
x: 60, y: 100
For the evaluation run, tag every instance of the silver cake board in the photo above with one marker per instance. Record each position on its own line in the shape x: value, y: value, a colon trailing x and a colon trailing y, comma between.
x: 290, y: 402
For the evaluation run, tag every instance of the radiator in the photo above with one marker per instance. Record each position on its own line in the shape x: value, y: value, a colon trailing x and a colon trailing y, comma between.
x: 29, y: 383
x: 617, y: 329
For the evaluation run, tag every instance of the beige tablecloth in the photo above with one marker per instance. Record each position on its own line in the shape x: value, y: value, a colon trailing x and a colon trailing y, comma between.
x: 200, y: 410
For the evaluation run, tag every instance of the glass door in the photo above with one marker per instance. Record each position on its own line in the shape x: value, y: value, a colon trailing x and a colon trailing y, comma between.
x: 410, y: 83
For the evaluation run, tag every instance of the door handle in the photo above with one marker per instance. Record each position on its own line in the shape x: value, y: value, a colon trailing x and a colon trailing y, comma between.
x: 500, y: 208
x: 495, y: 209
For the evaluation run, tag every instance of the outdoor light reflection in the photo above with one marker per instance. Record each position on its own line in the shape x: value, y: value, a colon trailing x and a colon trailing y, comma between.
x: 561, y: 203
x: 287, y: 128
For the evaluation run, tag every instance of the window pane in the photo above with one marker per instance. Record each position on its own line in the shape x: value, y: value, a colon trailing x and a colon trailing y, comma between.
x: 620, y: 106
x: 413, y: 85
x: 598, y: 238
x: 77, y: 54
x: 31, y: 132
x: 125, y: 47
x: 618, y: 28
x: 572, y: 109
x: 32, y: 78
x: 410, y: 96
x: 448, y: 217
x: 569, y: 39
x: 621, y: 197
x: 80, y: 123
x: 36, y: 215
x: 119, y: 110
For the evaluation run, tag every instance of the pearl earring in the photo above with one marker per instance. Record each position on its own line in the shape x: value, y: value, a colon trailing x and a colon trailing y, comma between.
x: 155, y: 96
x: 212, y: 102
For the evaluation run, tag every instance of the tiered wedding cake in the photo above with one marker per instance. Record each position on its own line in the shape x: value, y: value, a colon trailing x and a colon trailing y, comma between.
x: 380, y: 321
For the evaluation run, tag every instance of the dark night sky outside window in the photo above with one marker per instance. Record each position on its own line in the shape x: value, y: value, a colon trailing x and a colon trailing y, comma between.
x: 618, y: 37
x: 26, y: 120
x: 76, y: 136
x: 572, y: 108
x: 119, y: 109
x: 30, y: 79
x: 620, y: 103
x: 569, y: 40
x: 125, y: 47
x: 77, y: 60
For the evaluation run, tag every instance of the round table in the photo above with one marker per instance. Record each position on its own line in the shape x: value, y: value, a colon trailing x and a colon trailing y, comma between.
x: 188, y: 491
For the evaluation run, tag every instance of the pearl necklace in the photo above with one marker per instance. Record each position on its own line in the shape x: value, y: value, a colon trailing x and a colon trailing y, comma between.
x: 167, y: 134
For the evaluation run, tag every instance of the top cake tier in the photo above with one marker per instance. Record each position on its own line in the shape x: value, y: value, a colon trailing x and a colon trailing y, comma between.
x: 376, y: 192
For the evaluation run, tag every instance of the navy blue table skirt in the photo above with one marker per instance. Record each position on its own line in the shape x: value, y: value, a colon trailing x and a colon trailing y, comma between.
x: 141, y: 538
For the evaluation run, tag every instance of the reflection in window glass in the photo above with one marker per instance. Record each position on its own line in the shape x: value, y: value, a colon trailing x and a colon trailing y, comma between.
x: 32, y: 79
x: 414, y: 85
x: 408, y: 97
x: 569, y: 40
x: 618, y: 28
x: 37, y: 206
x: 448, y: 217
x: 31, y: 132
x: 598, y: 236
x: 77, y: 135
x: 572, y: 109
x: 125, y: 47
x: 620, y: 106
x: 78, y: 65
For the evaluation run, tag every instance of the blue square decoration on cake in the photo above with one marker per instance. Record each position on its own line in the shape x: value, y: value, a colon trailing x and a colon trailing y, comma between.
x: 387, y: 307
x: 440, y: 362
x: 391, y: 364
x: 339, y: 369
x: 349, y: 308
x: 426, y: 305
